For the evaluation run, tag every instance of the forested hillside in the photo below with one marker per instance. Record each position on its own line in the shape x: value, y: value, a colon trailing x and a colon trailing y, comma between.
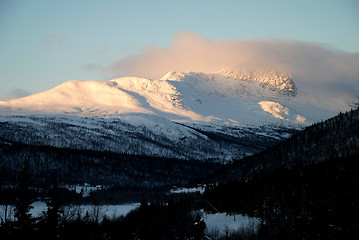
x: 337, y: 137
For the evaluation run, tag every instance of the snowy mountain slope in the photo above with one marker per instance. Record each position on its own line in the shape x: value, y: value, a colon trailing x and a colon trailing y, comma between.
x: 142, y: 134
x: 220, y: 116
x: 229, y: 99
x: 78, y: 97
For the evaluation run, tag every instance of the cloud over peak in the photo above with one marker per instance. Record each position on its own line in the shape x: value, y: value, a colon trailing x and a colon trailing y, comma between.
x: 194, y: 52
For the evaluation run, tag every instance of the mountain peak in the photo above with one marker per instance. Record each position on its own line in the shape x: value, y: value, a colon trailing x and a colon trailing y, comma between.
x: 174, y: 76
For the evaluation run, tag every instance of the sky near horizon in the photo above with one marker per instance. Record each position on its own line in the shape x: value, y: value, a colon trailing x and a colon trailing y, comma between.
x: 44, y: 43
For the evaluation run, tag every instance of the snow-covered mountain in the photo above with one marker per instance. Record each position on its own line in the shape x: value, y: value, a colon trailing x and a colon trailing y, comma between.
x: 243, y: 97
x: 189, y: 115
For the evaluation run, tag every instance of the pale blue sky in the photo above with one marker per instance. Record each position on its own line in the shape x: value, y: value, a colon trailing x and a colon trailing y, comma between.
x: 46, y: 42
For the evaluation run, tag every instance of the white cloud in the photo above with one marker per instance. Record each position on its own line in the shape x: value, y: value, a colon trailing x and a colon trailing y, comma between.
x: 193, y: 52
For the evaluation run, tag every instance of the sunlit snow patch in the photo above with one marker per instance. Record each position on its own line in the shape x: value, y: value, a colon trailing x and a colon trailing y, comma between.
x: 301, y: 119
x: 276, y: 109
x: 199, y: 189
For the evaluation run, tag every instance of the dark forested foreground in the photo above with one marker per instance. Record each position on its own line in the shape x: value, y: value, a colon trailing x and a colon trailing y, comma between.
x: 318, y: 201
x: 304, y: 188
x: 171, y: 219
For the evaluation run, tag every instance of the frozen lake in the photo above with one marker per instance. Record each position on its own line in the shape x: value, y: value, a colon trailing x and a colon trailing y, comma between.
x: 98, y: 212
x: 220, y: 223
x: 217, y: 224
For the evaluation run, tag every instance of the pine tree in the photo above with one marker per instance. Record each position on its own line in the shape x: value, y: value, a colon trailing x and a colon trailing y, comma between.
x: 23, y: 203
x: 355, y: 104
x: 53, y: 212
x: 198, y: 228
